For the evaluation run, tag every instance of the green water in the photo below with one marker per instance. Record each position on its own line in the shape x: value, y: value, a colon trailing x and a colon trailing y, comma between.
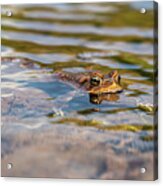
x: 80, y: 38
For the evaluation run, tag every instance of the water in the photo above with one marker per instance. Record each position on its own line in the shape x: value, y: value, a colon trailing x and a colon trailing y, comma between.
x: 38, y: 40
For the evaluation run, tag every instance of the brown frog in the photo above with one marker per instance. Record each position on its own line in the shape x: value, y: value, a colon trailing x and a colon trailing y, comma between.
x: 99, y: 86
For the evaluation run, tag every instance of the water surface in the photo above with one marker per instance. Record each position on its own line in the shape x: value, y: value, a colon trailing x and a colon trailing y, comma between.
x: 38, y: 40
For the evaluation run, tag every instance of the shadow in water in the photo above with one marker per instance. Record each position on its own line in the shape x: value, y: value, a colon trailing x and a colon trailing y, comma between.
x: 99, y: 98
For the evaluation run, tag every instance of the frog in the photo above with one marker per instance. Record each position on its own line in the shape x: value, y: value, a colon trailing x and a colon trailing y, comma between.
x: 99, y: 86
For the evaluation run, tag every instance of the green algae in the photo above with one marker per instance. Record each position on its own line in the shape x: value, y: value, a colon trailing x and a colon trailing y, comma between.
x: 147, y: 138
x: 22, y: 46
x: 113, y: 111
x: 100, y: 125
x: 136, y: 92
x: 88, y: 36
x: 128, y: 58
x: 147, y: 108
x: 39, y: 8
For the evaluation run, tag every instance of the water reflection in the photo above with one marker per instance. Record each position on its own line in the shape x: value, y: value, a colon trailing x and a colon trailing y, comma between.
x: 99, y: 98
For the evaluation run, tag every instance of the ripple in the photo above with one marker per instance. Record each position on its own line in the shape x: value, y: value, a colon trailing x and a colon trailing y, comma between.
x: 59, y: 16
x: 38, y: 25
x: 136, y: 48
x: 40, y: 39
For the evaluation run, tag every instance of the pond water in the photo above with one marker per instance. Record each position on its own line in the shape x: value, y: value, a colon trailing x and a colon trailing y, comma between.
x: 39, y: 40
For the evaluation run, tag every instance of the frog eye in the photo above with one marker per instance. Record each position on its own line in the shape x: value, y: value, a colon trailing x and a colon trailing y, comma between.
x: 95, y: 81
